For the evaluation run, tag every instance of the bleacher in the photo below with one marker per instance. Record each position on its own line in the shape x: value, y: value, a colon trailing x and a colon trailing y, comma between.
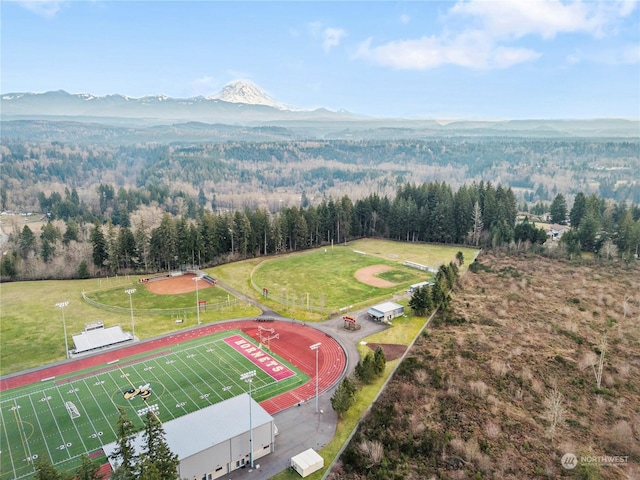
x: 95, y: 337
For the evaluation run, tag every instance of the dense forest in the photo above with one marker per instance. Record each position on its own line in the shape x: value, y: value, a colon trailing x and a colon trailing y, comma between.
x: 127, y: 232
x: 278, y: 173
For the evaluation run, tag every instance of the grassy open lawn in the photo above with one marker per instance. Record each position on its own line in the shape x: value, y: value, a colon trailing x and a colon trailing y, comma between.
x: 31, y: 327
x: 325, y: 277
x: 424, y: 254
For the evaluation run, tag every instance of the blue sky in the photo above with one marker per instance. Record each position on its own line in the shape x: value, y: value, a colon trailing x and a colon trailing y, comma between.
x: 412, y: 59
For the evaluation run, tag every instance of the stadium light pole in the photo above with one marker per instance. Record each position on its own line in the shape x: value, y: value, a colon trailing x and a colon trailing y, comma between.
x: 130, y: 292
x: 61, y: 306
x: 248, y: 377
x: 316, y: 347
x: 197, y: 279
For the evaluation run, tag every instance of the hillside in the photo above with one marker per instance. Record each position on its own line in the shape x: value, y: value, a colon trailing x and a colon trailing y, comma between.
x: 475, y: 396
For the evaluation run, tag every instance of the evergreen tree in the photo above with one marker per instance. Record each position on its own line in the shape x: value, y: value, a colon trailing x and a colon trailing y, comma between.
x: 421, y: 302
x: 8, y: 266
x: 157, y: 449
x: 99, y: 244
x: 460, y: 258
x: 149, y: 470
x: 202, y: 199
x: 571, y: 241
x: 365, y: 369
x: 71, y: 233
x: 126, y: 249
x: 588, y: 231
x: 440, y: 293
x: 47, y: 250
x: 344, y: 397
x: 124, y: 454
x: 88, y: 469
x: 83, y: 270
x: 558, y: 210
x: 26, y: 242
x: 44, y: 469
x: 578, y: 210
x: 379, y: 361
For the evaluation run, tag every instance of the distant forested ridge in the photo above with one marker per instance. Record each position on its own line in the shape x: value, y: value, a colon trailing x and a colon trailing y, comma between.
x: 271, y: 174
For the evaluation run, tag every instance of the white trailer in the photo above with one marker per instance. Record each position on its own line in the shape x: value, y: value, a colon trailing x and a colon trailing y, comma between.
x: 307, y: 462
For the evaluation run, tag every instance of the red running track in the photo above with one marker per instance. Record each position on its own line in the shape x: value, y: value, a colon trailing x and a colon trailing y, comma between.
x: 292, y: 345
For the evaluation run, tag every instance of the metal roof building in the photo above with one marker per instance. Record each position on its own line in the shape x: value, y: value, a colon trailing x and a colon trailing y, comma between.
x: 383, y: 312
x: 214, y: 441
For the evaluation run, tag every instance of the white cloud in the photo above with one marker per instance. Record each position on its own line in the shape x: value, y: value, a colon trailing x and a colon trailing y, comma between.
x: 331, y: 38
x: 471, y: 49
x: 547, y: 18
x: 404, y: 18
x: 479, y: 34
x: 44, y: 8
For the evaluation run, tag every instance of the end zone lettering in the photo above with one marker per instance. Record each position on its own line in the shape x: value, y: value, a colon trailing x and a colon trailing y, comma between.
x: 274, y: 368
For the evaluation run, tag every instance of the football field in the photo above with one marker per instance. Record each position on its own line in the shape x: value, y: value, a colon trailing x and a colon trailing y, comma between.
x: 64, y: 417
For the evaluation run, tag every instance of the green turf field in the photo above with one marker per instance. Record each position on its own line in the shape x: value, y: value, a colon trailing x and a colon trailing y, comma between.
x: 36, y: 421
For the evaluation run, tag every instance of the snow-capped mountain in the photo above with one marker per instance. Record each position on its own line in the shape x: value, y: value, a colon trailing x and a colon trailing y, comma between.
x: 239, y: 102
x: 242, y: 91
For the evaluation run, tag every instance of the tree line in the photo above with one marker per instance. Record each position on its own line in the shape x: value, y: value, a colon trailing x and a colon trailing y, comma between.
x: 479, y: 214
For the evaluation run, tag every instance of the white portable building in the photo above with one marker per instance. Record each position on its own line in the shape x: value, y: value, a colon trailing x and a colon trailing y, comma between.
x: 307, y: 462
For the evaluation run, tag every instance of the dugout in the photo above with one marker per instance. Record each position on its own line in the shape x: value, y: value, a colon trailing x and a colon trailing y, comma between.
x: 307, y: 462
x: 214, y: 441
x: 416, y: 286
x: 384, y: 312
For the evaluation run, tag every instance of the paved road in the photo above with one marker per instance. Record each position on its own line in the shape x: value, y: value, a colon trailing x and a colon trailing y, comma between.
x: 300, y: 427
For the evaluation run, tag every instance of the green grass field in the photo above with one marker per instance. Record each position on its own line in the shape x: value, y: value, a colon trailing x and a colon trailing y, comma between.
x: 30, y: 319
x: 145, y: 300
x: 35, y: 420
x: 313, y: 284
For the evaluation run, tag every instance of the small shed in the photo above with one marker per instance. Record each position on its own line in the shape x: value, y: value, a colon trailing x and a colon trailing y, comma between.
x: 307, y: 462
x: 384, y: 312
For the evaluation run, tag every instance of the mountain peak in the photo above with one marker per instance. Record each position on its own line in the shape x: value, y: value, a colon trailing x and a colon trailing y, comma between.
x: 243, y: 91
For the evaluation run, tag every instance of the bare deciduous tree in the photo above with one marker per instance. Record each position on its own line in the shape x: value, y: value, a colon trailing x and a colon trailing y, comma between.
x: 478, y: 224
x: 555, y: 410
x: 602, y: 346
x: 373, y: 450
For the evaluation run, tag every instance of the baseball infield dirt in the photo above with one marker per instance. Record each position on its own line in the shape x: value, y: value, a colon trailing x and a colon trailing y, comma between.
x: 176, y: 285
x: 368, y: 275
